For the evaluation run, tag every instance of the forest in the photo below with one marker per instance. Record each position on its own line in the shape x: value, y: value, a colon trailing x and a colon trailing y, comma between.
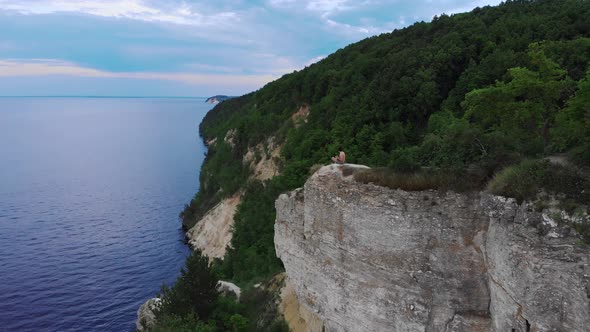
x: 479, y: 98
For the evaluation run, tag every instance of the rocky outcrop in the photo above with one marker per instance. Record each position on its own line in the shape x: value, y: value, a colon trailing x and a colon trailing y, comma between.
x: 301, y: 115
x: 227, y: 288
x: 217, y: 99
x: 263, y: 159
x: 146, y: 317
x: 539, y: 277
x: 368, y: 258
x: 230, y: 137
x: 212, y: 234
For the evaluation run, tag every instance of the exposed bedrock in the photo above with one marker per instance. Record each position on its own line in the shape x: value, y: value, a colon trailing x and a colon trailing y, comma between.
x: 369, y: 258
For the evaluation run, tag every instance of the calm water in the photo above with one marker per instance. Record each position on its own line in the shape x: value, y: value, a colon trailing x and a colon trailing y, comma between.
x: 90, y: 191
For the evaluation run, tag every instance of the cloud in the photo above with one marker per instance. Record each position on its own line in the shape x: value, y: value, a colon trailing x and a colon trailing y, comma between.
x: 193, y: 42
x: 328, y: 12
x: 324, y: 7
x: 181, y: 14
x: 50, y: 67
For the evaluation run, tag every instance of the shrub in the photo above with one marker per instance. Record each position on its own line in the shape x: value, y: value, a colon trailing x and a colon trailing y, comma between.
x: 519, y: 181
x: 525, y: 180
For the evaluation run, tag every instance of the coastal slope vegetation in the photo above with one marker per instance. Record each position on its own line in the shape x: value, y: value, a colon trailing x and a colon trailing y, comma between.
x: 464, y: 96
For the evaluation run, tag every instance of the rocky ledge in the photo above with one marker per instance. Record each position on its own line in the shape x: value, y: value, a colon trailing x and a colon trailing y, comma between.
x: 368, y: 258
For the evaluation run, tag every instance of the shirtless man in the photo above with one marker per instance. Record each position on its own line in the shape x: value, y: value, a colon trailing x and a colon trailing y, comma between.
x: 340, y: 158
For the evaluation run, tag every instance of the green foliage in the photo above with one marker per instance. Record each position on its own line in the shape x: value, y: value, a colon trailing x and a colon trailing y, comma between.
x: 376, y: 96
x: 193, y: 304
x: 252, y: 255
x: 221, y: 176
x: 193, y: 293
x: 573, y: 122
x: 279, y: 326
x: 238, y: 323
x: 524, y: 108
x: 525, y: 180
x: 188, y: 323
x: 451, y: 103
x: 520, y: 181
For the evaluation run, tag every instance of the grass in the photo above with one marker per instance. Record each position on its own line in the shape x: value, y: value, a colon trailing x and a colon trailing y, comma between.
x: 425, y: 179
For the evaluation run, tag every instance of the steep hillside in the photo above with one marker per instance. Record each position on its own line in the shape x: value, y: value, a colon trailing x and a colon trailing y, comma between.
x: 469, y: 94
x: 452, y: 102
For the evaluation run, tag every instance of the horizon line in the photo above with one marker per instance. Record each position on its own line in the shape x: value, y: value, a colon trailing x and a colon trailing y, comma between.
x: 102, y: 96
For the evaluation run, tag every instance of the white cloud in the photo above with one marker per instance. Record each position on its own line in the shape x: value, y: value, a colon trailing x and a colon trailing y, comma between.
x: 201, y: 41
x: 132, y: 9
x: 50, y: 67
x: 327, y: 7
x: 323, y: 8
x: 327, y: 11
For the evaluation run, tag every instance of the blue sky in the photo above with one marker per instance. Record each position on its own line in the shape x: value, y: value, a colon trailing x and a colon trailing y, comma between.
x: 184, y: 48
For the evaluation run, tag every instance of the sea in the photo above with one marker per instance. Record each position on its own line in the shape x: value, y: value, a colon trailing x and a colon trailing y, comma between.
x: 90, y: 193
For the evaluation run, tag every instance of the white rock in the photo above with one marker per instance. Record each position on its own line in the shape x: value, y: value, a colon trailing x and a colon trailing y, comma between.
x: 146, y: 317
x: 228, y: 287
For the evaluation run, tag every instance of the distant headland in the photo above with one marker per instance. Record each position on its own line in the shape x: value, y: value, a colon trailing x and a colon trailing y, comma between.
x: 217, y: 99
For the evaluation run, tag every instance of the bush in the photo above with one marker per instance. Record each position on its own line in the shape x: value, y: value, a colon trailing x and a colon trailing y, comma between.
x: 519, y: 181
x: 525, y: 180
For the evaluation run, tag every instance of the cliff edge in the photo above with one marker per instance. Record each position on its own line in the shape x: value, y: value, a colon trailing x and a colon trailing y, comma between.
x: 368, y: 258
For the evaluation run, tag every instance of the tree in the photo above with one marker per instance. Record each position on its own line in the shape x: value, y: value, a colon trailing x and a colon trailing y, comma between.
x: 525, y: 107
x: 194, y: 291
x: 573, y: 123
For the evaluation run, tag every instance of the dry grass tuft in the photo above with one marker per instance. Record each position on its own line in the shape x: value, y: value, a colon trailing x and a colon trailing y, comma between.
x: 406, y: 181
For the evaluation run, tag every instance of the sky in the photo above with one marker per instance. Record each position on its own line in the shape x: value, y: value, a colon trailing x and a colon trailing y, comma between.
x: 185, y: 48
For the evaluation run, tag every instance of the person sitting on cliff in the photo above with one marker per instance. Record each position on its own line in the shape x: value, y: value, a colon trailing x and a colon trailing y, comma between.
x: 340, y: 158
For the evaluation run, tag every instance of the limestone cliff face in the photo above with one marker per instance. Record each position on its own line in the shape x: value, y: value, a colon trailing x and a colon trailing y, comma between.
x: 213, y: 233
x: 368, y: 258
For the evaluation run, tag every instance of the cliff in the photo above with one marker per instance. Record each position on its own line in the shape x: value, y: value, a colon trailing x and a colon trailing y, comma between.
x: 212, y: 233
x: 217, y: 99
x: 369, y: 258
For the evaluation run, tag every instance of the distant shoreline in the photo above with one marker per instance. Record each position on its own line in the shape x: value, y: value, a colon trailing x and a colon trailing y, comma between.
x: 110, y: 97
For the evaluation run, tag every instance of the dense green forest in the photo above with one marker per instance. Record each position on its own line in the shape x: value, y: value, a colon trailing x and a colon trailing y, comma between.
x: 471, y: 95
